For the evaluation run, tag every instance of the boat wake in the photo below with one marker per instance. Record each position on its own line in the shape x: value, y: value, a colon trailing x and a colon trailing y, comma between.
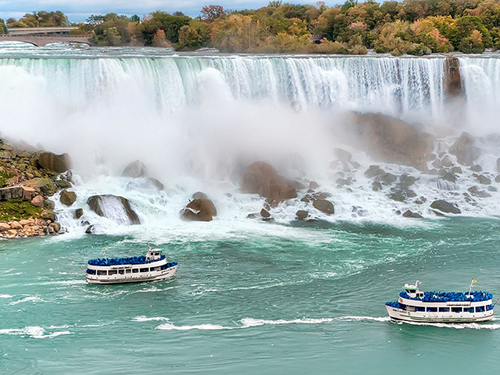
x: 490, y: 326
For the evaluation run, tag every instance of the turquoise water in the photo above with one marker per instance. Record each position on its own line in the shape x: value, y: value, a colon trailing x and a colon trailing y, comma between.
x: 247, y: 303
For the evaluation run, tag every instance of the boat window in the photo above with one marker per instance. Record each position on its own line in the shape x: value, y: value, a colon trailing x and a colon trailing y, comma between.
x: 144, y: 269
x: 470, y: 309
x: 456, y: 309
x: 432, y: 309
x: 112, y: 272
x: 101, y: 273
x: 135, y: 270
x: 128, y: 271
x: 479, y: 308
x: 420, y: 309
x: 444, y: 309
x: 121, y: 272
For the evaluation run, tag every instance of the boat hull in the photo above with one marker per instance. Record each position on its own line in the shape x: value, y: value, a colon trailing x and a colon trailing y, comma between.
x: 421, y: 317
x: 133, y: 278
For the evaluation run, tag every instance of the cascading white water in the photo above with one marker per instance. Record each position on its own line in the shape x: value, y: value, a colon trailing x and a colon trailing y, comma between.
x: 197, y: 121
x: 481, y: 80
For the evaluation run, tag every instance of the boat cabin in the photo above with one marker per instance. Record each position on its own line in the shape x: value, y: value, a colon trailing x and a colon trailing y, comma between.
x: 413, y: 292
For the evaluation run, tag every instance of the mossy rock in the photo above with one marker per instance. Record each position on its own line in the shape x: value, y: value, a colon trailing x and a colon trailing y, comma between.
x: 46, y: 185
x: 17, y: 209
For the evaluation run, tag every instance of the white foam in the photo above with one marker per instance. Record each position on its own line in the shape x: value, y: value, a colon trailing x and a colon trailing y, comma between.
x: 484, y: 325
x: 203, y: 327
x: 28, y: 299
x: 5, y: 296
x: 146, y: 319
x: 33, y: 332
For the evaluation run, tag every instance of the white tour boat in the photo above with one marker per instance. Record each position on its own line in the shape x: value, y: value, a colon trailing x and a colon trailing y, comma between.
x: 441, y: 307
x: 151, y: 267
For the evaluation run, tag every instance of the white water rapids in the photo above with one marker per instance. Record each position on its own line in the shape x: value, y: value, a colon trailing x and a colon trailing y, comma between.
x: 198, y: 121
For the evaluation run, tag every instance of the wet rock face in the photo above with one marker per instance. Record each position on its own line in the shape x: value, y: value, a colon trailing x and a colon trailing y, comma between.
x: 109, y: 206
x: 67, y: 197
x: 135, y: 170
x: 452, y: 81
x: 261, y: 178
x: 324, y: 206
x: 392, y: 140
x: 465, y: 150
x: 446, y: 207
x: 199, y: 210
x: 53, y: 162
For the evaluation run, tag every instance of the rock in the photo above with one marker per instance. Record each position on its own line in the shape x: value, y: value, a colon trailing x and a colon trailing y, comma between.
x: 199, y: 195
x: 355, y: 165
x: 45, y: 185
x: 67, y: 197
x: 156, y: 183
x: 48, y: 204
x: 398, y: 196
x: 474, y: 190
x: 261, y: 178
x: 406, y: 180
x: 252, y: 216
x: 392, y: 140
x: 78, y: 213
x: 412, y: 214
x: 38, y: 201
x: 497, y: 178
x: 388, y: 178
x: 484, y: 180
x: 342, y: 155
x: 476, y: 168
x: 16, y: 225
x: 324, y: 206
x: 465, y: 150
x: 302, y: 214
x: 446, y: 207
x: 265, y: 213
x: 456, y: 170
x: 13, y: 192
x: 343, y: 181
x: 199, y: 210
x: 498, y: 165
x: 376, y: 186
x: 113, y: 207
x: 53, y: 162
x: 135, y: 170
x: 55, y: 226
x: 374, y: 170
x: 48, y: 215
x: 492, y: 188
x: 313, y: 185
x: 63, y: 184
x: 4, y: 227
x: 449, y: 177
x: 90, y: 229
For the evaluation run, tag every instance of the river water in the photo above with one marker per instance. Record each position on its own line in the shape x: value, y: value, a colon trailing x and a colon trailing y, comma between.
x: 279, y: 297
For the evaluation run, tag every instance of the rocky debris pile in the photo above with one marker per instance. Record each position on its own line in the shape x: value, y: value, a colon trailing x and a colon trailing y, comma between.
x: 28, y: 228
x: 29, y: 177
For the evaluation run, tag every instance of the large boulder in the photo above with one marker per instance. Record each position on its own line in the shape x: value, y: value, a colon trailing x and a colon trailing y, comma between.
x: 67, y: 197
x: 135, y: 170
x: 465, y: 150
x: 392, y: 140
x: 199, y: 210
x: 446, y: 207
x: 261, y: 178
x: 324, y: 206
x: 53, y: 162
x: 113, y: 207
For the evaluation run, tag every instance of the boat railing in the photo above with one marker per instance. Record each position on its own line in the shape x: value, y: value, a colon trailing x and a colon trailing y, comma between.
x: 122, y: 261
x: 450, y: 296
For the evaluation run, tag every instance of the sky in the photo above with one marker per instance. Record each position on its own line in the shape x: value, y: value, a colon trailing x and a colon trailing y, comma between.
x: 79, y: 10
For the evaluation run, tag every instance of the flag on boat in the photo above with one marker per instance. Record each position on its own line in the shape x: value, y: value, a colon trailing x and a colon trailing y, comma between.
x: 474, y: 281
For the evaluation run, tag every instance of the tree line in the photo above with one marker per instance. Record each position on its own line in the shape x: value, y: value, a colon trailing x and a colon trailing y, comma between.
x: 415, y: 27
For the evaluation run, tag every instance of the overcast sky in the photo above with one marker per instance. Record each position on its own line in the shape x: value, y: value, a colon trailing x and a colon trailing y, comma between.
x: 79, y: 10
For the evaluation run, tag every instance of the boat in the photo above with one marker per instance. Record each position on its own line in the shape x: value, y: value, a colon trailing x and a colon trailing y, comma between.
x: 414, y: 305
x: 150, y: 267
